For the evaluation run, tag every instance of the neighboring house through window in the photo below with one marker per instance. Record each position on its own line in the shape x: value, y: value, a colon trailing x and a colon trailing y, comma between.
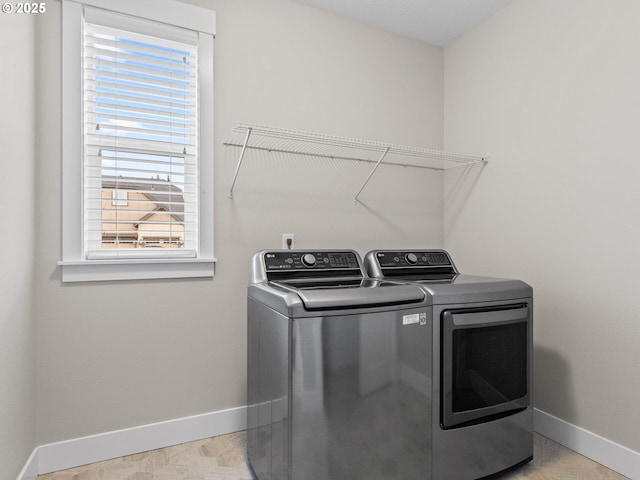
x: 137, y: 129
x: 147, y: 214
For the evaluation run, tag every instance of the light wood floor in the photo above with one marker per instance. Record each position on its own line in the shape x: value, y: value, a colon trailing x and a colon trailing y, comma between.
x: 223, y: 458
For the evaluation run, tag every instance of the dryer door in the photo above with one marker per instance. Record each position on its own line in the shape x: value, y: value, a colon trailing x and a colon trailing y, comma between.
x: 485, y: 364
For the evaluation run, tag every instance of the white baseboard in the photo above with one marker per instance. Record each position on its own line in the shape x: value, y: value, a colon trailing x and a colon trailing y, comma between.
x: 81, y: 451
x: 30, y: 470
x: 104, y: 446
x: 610, y: 454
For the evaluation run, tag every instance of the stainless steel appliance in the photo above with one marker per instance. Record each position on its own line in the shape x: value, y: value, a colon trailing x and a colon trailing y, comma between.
x: 481, y: 414
x: 339, y: 370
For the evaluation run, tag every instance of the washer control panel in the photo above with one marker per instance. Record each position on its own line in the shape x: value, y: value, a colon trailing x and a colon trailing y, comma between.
x: 390, y: 259
x: 310, y: 260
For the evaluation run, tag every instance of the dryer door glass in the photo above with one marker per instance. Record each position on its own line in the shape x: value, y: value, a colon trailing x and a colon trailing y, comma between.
x: 489, y: 366
x: 484, y: 364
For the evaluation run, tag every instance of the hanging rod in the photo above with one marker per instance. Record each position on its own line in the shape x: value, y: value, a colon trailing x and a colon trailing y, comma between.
x: 270, y: 139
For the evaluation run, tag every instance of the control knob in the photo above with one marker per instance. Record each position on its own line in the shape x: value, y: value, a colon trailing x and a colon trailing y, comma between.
x: 411, y: 258
x: 308, y: 260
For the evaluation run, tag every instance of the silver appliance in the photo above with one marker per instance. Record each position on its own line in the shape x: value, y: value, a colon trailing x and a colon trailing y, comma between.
x: 339, y: 371
x: 481, y: 390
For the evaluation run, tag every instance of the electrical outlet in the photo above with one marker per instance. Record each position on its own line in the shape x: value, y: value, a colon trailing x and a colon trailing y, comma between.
x: 287, y: 241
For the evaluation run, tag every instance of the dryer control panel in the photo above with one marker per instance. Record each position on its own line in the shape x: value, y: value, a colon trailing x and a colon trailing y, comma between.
x: 385, y: 263
x: 413, y: 258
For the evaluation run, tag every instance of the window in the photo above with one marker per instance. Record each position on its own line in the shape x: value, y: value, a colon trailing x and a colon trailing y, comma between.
x: 119, y: 198
x: 139, y: 136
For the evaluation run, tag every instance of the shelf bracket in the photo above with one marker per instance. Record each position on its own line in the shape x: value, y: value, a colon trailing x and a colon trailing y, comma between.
x: 373, y: 170
x: 244, y: 148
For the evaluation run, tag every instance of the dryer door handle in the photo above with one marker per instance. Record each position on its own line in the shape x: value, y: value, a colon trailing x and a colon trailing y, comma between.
x: 485, y: 317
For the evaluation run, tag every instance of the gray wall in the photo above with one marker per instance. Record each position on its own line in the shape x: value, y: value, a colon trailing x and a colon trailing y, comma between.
x: 17, y: 193
x: 117, y: 355
x: 550, y: 90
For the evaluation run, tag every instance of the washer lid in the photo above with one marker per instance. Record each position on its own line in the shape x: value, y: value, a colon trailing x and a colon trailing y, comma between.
x: 331, y: 294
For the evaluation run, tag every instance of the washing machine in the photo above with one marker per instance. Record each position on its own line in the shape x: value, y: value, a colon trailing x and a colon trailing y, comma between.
x: 339, y: 369
x: 481, y: 347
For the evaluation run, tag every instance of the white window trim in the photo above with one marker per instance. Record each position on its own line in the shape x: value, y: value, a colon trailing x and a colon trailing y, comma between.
x: 75, y: 268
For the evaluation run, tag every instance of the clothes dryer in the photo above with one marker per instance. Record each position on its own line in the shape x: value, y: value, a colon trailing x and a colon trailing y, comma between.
x: 482, y: 329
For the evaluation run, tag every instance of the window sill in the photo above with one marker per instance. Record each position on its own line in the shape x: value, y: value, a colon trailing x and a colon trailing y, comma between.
x: 135, y: 269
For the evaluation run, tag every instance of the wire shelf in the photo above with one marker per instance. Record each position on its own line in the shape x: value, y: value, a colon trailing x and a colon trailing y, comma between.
x: 269, y: 139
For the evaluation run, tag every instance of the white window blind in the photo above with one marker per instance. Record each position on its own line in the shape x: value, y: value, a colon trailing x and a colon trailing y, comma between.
x: 140, y: 138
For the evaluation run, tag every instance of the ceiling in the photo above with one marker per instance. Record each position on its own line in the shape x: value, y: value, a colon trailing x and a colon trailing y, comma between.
x: 433, y: 21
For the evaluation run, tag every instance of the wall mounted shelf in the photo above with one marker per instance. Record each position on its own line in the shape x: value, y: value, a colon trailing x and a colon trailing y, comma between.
x: 269, y: 139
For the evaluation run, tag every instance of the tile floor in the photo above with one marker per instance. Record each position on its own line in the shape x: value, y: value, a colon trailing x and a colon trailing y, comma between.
x: 223, y: 458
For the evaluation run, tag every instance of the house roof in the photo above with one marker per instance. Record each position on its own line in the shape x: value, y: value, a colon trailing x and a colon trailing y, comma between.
x: 166, y: 195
